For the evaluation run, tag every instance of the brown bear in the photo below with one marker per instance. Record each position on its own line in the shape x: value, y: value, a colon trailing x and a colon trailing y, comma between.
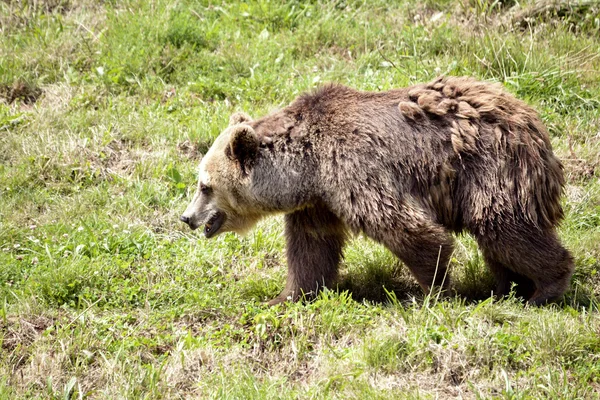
x: 407, y: 168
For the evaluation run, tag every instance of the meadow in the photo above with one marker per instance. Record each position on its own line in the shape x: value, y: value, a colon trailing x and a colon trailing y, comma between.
x: 105, y: 111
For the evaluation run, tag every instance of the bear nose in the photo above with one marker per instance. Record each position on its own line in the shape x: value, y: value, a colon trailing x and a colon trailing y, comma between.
x: 185, y: 219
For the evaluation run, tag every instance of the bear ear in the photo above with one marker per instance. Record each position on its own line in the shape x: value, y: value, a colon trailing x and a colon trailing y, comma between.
x: 243, y: 146
x: 239, y: 118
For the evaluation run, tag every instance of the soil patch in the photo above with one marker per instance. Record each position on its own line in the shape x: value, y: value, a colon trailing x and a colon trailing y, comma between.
x: 20, y: 91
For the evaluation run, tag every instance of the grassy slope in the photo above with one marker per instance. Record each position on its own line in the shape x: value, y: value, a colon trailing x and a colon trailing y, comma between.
x: 103, y: 293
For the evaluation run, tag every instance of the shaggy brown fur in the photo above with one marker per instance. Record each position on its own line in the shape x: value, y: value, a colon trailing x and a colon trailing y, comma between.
x: 407, y: 168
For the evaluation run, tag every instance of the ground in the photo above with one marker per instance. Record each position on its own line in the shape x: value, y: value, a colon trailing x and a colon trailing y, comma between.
x: 105, y: 110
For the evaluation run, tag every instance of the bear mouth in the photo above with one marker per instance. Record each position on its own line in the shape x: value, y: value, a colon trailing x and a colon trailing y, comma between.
x: 214, y: 223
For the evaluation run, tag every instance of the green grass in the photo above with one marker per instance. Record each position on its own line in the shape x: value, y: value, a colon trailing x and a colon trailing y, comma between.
x: 105, y: 109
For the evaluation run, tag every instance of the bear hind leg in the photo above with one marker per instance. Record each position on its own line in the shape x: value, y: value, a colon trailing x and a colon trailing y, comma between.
x: 424, y: 247
x: 314, y: 238
x: 530, y: 255
x: 505, y: 278
x: 551, y: 289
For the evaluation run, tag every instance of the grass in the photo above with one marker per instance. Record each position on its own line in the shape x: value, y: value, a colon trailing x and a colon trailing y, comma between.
x: 105, y: 110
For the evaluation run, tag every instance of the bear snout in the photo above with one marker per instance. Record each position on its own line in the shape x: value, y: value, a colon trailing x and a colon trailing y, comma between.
x: 189, y: 221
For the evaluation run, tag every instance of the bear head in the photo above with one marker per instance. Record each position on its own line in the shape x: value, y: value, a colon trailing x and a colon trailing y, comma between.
x: 224, y: 201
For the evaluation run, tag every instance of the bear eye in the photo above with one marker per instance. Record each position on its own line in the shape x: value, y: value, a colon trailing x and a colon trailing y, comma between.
x: 204, y: 189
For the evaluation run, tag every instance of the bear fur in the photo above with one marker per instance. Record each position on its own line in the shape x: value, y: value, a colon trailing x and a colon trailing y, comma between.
x: 407, y: 168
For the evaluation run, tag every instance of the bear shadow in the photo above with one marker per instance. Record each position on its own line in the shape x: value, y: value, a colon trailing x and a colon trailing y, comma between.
x: 381, y: 284
x: 400, y: 286
x: 386, y: 287
x: 378, y: 284
x: 580, y: 295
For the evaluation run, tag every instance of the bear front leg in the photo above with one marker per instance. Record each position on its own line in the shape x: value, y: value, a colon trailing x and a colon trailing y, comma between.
x: 315, y: 239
